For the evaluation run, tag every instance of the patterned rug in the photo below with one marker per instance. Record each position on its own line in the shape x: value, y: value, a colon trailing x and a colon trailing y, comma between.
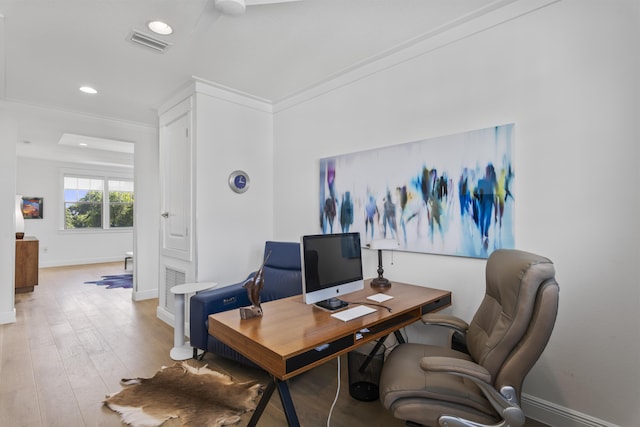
x: 115, y: 281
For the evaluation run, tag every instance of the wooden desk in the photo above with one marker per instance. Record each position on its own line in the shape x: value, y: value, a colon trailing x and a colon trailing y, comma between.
x: 287, y: 339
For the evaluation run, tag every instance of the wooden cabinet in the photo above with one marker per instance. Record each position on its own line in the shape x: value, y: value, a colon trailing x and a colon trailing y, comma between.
x: 26, y: 264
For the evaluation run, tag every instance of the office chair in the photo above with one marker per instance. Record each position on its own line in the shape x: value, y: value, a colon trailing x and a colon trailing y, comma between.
x: 439, y: 386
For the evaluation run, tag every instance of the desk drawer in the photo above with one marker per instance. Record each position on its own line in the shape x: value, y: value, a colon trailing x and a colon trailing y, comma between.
x: 308, y: 357
x: 437, y: 304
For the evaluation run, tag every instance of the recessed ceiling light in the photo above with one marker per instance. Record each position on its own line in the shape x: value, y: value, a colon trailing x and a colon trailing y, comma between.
x: 160, y: 27
x: 88, y: 89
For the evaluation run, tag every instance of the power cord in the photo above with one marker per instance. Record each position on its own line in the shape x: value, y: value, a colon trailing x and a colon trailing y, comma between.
x: 338, y: 388
x: 336, y: 398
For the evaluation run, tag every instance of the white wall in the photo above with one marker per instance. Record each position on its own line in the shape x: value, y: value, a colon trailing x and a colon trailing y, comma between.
x: 233, y: 133
x: 567, y: 76
x: 146, y: 236
x: 8, y: 133
x: 41, y: 178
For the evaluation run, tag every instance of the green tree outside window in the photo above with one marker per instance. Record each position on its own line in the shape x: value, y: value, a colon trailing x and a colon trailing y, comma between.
x: 86, y: 212
x: 120, y: 209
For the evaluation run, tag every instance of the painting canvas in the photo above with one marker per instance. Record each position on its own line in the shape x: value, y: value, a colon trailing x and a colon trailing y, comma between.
x: 32, y: 208
x: 450, y: 195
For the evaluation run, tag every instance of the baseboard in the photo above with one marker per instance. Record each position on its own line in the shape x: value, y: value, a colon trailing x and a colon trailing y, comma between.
x: 164, y: 315
x: 143, y: 295
x: 71, y: 262
x: 167, y: 318
x: 555, y: 415
x: 8, y: 317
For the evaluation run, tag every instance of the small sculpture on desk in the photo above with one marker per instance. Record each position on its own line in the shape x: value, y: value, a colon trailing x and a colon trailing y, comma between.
x: 254, y: 286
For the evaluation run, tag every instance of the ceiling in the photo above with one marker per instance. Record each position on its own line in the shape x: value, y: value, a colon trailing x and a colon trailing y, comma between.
x: 52, y: 47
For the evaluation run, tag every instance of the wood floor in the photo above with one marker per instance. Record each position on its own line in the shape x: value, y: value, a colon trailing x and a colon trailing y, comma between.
x: 72, y: 343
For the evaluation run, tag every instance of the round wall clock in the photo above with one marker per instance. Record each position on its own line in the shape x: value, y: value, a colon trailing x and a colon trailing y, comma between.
x: 239, y: 181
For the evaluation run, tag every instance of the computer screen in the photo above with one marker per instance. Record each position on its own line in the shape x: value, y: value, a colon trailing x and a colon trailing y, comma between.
x: 331, y: 267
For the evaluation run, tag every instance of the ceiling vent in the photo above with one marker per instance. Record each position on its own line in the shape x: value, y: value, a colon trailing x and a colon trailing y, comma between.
x: 148, y: 41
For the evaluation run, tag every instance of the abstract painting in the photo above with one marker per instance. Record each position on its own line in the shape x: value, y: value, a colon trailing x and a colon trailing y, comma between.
x: 450, y: 195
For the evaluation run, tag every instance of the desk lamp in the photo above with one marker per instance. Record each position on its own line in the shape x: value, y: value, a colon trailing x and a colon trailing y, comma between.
x: 380, y: 245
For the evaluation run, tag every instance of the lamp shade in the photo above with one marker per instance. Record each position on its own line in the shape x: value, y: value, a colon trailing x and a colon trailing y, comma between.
x: 19, y: 217
x: 384, y: 244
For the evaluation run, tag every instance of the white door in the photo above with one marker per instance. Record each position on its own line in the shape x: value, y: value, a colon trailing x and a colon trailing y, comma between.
x: 176, y: 181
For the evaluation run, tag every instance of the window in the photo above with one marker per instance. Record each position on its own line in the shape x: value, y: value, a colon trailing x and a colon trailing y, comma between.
x: 83, y: 202
x: 120, y: 203
x: 93, y: 202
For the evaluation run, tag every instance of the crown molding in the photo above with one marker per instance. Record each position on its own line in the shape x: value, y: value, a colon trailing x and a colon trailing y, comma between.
x: 202, y: 86
x: 23, y: 107
x: 490, y: 16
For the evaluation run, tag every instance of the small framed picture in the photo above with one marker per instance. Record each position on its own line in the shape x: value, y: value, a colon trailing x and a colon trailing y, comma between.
x: 32, y: 208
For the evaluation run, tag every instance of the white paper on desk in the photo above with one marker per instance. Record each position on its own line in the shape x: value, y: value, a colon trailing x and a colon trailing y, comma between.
x: 379, y: 297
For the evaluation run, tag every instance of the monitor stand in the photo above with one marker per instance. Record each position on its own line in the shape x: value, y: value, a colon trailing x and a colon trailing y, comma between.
x: 332, y: 304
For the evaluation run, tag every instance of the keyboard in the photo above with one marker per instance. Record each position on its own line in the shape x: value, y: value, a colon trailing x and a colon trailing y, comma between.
x: 353, y: 313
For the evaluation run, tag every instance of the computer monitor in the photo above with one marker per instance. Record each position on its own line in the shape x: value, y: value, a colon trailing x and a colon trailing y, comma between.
x: 331, y: 267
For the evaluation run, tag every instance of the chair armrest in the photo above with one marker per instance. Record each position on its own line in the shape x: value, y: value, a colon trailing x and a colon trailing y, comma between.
x: 446, y: 320
x: 453, y: 365
x: 504, y: 402
x: 212, y: 301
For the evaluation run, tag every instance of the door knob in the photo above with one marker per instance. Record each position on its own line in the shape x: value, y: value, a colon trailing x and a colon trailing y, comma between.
x: 165, y: 214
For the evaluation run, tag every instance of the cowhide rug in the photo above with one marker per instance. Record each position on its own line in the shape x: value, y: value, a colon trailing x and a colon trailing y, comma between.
x: 198, y: 396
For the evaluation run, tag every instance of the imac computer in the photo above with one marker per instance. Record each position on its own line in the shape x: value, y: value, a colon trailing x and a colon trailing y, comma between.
x: 331, y: 267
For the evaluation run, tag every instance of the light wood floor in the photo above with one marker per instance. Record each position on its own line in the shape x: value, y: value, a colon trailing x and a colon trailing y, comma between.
x: 72, y: 343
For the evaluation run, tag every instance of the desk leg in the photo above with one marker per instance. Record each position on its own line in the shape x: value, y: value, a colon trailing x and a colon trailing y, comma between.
x: 371, y: 354
x: 375, y: 349
x: 285, y: 397
x: 262, y: 404
x: 287, y: 403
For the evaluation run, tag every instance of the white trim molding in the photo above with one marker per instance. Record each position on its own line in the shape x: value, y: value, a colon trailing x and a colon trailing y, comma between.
x: 165, y: 315
x: 494, y: 14
x: 556, y: 415
x: 2, y: 59
x: 8, y: 317
x: 144, y: 295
